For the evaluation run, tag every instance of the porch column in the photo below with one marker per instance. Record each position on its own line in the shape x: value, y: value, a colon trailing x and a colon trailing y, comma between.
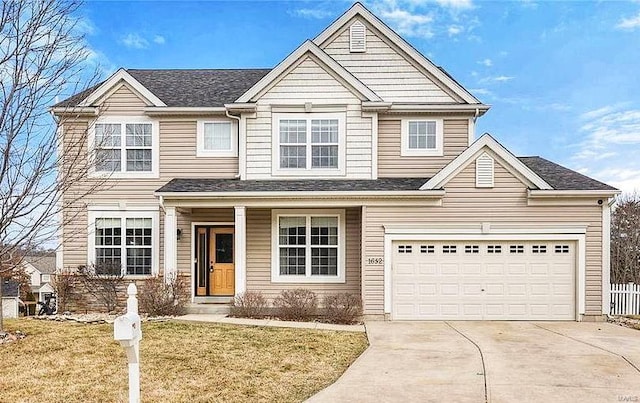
x: 240, y: 242
x: 170, y: 243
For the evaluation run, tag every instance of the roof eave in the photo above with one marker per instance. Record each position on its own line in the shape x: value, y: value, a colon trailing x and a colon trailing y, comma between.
x: 541, y: 194
x: 378, y: 194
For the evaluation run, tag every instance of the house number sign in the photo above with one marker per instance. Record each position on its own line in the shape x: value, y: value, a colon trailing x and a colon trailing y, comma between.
x: 375, y: 260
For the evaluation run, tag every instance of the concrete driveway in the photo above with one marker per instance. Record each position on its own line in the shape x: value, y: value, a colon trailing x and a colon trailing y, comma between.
x: 493, y: 362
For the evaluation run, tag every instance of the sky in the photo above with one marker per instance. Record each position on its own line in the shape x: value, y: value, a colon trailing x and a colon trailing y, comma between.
x: 563, y: 78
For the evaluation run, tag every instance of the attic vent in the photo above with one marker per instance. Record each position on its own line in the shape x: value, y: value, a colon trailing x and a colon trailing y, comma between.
x: 484, y: 171
x: 357, y: 37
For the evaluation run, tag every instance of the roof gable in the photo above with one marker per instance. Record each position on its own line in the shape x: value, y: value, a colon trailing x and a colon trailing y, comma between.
x: 484, y: 143
x: 112, y: 82
x: 325, y: 61
x: 440, y: 75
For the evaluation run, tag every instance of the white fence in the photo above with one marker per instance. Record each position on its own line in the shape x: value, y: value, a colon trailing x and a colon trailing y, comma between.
x: 625, y: 299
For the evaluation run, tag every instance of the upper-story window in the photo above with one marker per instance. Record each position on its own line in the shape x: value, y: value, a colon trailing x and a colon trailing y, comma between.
x: 422, y: 137
x: 217, y: 138
x: 125, y: 147
x: 308, y: 144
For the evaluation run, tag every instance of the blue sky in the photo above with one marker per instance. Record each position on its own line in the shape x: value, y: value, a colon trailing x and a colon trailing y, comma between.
x: 563, y: 78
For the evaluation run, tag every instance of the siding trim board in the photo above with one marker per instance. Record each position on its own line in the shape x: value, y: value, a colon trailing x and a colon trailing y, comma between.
x: 581, y: 252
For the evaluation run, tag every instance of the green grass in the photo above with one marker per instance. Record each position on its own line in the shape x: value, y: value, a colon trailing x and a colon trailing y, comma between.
x: 180, y: 362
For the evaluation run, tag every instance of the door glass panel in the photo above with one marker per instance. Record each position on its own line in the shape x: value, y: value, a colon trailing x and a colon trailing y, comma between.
x: 224, y: 248
x: 202, y: 259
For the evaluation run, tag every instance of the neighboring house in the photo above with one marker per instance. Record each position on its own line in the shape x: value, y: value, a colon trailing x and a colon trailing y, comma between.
x: 10, y: 298
x: 351, y: 166
x: 40, y: 270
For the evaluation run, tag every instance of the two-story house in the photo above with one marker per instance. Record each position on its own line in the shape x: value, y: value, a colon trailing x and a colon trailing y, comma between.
x: 351, y: 166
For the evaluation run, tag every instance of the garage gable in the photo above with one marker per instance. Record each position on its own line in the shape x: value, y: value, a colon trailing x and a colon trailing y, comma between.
x: 486, y: 155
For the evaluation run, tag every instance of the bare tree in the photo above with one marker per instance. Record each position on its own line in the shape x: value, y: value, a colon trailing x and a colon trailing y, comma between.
x: 43, y: 55
x: 625, y: 240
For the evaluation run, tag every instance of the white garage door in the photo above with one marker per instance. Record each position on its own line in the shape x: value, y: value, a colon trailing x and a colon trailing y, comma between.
x: 472, y: 280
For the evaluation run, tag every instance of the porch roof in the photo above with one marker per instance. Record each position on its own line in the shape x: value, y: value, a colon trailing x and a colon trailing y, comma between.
x: 205, y: 185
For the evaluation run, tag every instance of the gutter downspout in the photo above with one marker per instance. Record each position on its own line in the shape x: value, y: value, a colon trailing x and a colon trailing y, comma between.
x: 236, y: 118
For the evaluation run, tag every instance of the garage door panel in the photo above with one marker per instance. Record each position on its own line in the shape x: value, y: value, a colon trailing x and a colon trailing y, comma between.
x: 474, y: 280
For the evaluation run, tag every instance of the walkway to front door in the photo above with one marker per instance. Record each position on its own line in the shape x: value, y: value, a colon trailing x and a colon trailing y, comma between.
x: 215, y: 268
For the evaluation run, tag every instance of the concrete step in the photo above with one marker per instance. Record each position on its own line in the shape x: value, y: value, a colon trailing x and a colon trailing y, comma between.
x: 209, y: 309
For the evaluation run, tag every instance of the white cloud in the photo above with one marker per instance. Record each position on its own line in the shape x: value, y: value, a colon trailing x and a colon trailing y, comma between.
x: 311, y: 13
x: 159, y: 39
x: 454, y: 30
x: 495, y: 79
x: 630, y: 23
x: 481, y: 91
x: 611, y: 134
x: 486, y: 62
x: 135, y: 41
x: 456, y: 4
x: 409, y: 24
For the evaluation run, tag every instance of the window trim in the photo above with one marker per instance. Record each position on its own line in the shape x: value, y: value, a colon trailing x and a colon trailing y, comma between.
x: 276, y: 277
x: 123, y: 121
x: 201, y: 152
x: 152, y: 213
x: 309, y: 171
x: 405, y: 151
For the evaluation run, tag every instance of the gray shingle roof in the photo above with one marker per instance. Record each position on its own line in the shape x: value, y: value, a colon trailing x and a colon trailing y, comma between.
x: 561, y: 178
x: 190, y: 88
x: 10, y: 288
x: 309, y: 185
x: 46, y: 264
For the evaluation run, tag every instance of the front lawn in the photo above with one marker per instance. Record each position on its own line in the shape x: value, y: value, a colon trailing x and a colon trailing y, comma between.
x: 180, y: 362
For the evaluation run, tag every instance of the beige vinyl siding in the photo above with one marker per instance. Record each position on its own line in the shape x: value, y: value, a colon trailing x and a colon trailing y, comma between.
x: 177, y: 153
x: 392, y: 164
x: 309, y: 82
x: 259, y: 257
x: 463, y: 203
x: 122, y: 101
x: 383, y: 69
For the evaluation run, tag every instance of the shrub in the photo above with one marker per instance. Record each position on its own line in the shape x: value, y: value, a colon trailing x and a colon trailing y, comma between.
x: 103, y: 281
x: 64, y: 283
x: 250, y: 304
x: 160, y: 298
x: 298, y: 304
x: 344, y: 308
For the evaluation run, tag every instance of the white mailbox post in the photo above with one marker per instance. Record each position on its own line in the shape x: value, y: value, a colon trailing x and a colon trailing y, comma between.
x: 127, y: 330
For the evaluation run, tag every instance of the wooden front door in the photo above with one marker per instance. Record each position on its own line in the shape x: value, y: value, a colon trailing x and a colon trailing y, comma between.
x: 215, y: 268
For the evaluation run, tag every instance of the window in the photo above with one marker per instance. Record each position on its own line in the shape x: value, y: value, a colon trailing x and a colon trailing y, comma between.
x: 404, y: 248
x: 516, y: 248
x: 309, y: 247
x: 494, y: 248
x: 539, y: 249
x: 217, y: 138
x: 308, y: 143
x: 562, y: 248
x: 125, y: 148
x: 421, y: 137
x: 449, y: 249
x: 471, y: 249
x: 427, y: 249
x: 124, y: 242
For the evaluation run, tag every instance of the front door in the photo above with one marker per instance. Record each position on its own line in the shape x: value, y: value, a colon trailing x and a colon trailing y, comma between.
x: 215, y: 269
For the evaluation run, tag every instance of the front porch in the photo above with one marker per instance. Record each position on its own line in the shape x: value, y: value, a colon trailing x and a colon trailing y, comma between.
x: 225, y: 251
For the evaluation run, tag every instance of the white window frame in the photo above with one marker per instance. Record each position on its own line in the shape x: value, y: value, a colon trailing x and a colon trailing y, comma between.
x: 309, y: 171
x: 123, y: 174
x: 427, y: 152
x: 123, y: 215
x: 200, y: 150
x: 276, y: 277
